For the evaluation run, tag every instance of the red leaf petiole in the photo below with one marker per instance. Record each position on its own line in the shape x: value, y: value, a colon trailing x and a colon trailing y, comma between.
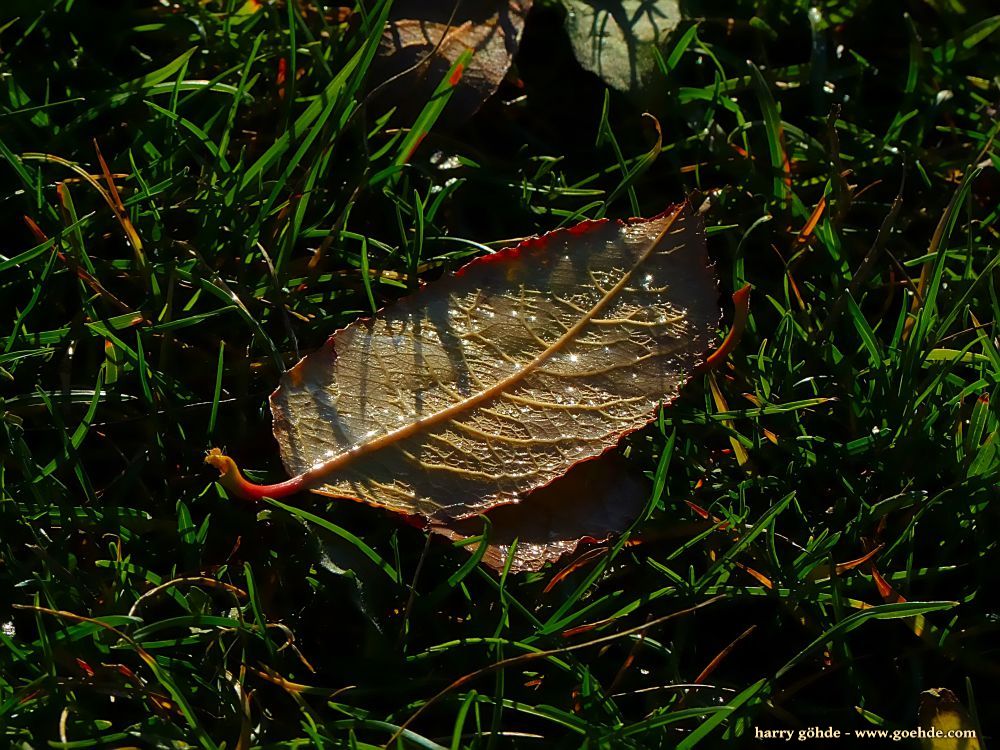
x: 236, y: 484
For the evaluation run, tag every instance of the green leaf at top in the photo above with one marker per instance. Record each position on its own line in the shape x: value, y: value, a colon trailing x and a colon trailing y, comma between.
x: 617, y: 39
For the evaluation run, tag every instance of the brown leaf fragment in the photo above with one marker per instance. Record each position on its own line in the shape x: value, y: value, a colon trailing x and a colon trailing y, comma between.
x: 823, y: 572
x: 419, y: 47
x: 593, y: 501
x: 493, y: 382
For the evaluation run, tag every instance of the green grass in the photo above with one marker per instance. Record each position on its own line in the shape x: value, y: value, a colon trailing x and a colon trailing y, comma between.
x: 140, y: 606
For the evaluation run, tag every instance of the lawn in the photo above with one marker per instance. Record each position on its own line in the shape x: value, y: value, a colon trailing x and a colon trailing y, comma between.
x: 195, y: 194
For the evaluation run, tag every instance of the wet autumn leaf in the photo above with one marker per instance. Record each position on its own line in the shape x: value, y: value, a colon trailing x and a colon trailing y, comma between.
x: 618, y: 39
x: 419, y: 47
x: 495, y: 381
x: 595, y: 500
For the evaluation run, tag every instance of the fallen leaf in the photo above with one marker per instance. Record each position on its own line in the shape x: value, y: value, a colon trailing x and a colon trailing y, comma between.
x: 493, y: 382
x: 419, y: 47
x: 618, y: 39
x: 941, y: 710
x: 593, y: 501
